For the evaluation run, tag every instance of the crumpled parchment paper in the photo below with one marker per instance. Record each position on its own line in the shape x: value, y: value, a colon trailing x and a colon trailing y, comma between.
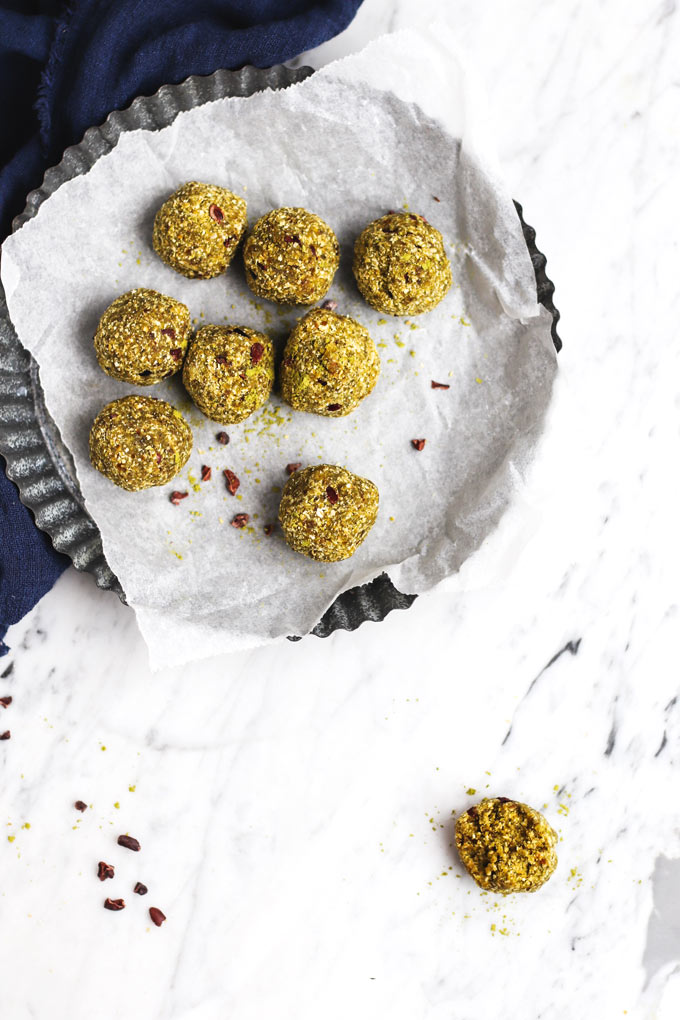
x: 395, y: 126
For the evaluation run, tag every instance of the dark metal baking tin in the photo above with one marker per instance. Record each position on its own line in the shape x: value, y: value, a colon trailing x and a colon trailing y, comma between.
x: 37, y: 460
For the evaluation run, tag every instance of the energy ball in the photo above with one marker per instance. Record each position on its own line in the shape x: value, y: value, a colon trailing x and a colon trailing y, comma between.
x: 400, y: 264
x: 506, y: 846
x: 138, y: 442
x: 229, y: 372
x: 329, y: 365
x: 197, y: 230
x: 291, y: 257
x: 326, y: 512
x: 142, y: 337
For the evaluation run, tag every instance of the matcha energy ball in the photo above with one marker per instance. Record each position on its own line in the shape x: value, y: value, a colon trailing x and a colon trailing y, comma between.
x: 229, y: 372
x: 291, y: 256
x: 329, y: 365
x: 138, y: 442
x: 400, y: 264
x: 142, y: 337
x: 326, y: 512
x: 197, y: 230
x: 506, y: 846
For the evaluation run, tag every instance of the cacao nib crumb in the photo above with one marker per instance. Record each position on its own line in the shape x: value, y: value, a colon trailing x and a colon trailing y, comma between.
x: 240, y: 520
x: 440, y: 385
x: 418, y: 444
x: 332, y: 494
x: 157, y: 916
x: 241, y: 332
x: 436, y: 199
x: 140, y: 889
x: 256, y: 352
x: 129, y: 842
x: 221, y: 359
x: 6, y: 701
x: 472, y: 812
x: 232, y: 481
x: 6, y: 735
x: 292, y: 468
x: 268, y: 528
x: 114, y: 904
x: 176, y: 353
x: 206, y: 473
x: 222, y: 438
x: 80, y: 805
x: 104, y: 871
x: 503, y: 800
x: 334, y: 407
x: 177, y: 497
x: 169, y: 331
x: 216, y: 213
x: 329, y: 305
x: 145, y: 373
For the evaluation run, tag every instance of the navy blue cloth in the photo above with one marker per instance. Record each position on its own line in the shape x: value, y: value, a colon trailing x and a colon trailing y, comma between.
x: 62, y: 70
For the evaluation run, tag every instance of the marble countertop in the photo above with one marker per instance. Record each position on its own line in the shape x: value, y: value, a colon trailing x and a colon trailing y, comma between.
x: 295, y: 803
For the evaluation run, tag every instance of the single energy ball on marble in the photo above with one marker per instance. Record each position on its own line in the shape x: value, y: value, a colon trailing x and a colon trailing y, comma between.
x: 506, y: 846
x: 400, y: 264
x: 142, y: 337
x: 138, y: 442
x: 326, y: 512
x: 291, y: 257
x: 198, y: 229
x: 229, y: 372
x: 330, y: 364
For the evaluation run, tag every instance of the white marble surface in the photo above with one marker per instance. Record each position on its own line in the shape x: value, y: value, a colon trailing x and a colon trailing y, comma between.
x: 294, y: 804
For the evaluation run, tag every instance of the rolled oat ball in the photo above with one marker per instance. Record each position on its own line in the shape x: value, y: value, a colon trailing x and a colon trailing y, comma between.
x: 229, y: 372
x: 326, y: 512
x: 142, y: 337
x: 197, y: 230
x: 291, y: 257
x: 137, y: 442
x: 329, y: 365
x: 400, y: 264
x: 506, y: 846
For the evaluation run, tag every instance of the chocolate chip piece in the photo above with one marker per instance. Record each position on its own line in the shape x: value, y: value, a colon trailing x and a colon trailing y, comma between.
x: 157, y: 916
x: 334, y: 407
x: 206, y: 473
x: 104, y: 871
x: 232, y: 481
x: 256, y: 352
x: 222, y: 438
x: 418, y: 444
x: 80, y: 805
x: 6, y: 735
x: 140, y: 889
x: 6, y: 701
x: 216, y: 213
x: 332, y: 494
x: 240, y: 520
x: 169, y: 331
x: 440, y: 385
x: 129, y: 842
x: 114, y: 904
x: 292, y: 468
x: 177, y: 497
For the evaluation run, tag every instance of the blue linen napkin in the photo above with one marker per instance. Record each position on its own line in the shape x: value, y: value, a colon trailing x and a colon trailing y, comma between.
x: 65, y: 69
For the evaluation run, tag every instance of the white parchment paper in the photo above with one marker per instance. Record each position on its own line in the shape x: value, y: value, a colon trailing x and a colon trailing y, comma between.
x: 396, y: 126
